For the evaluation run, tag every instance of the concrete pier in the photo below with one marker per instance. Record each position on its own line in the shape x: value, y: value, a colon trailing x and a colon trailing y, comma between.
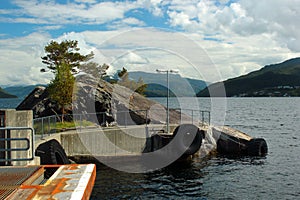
x: 108, y: 141
x: 119, y: 141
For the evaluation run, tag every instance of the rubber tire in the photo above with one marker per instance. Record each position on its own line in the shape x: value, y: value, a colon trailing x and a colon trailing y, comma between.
x: 51, y: 152
x: 185, y: 132
x: 257, y: 147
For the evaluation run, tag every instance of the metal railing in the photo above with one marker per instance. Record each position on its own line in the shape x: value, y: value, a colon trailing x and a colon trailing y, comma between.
x: 197, y: 116
x: 48, y: 125
x: 8, y: 146
x: 45, y: 125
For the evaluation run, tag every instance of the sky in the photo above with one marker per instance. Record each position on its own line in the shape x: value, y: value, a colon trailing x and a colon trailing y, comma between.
x: 202, y: 39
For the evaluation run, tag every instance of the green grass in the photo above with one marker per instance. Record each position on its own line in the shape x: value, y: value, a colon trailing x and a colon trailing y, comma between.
x: 56, y: 127
x: 62, y: 125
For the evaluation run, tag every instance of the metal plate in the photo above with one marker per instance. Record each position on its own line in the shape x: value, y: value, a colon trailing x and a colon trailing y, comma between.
x: 12, y: 177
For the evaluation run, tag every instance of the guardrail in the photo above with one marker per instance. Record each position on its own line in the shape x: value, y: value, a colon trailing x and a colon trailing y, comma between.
x: 8, y: 147
x: 45, y: 125
x: 202, y: 116
x: 48, y: 125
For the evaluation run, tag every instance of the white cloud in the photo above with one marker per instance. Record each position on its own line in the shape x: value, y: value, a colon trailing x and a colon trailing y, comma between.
x: 145, y: 49
x: 132, y: 61
x: 86, y: 1
x: 133, y: 21
x: 153, y: 6
x: 238, y: 36
x: 20, y: 60
x: 238, y: 11
x: 179, y: 19
x: 250, y: 34
x: 45, y: 28
x: 50, y: 12
x: 133, y: 58
x: 279, y: 18
x: 156, y: 48
x: 125, y: 24
x: 242, y: 18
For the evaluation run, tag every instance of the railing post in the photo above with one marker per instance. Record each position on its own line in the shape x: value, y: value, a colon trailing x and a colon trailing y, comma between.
x: 115, y: 142
x: 80, y: 121
x: 126, y: 118
x: 8, y: 145
x: 148, y: 136
x: 146, y: 118
x: 49, y: 128
x: 192, y: 116
x: 55, y: 120
x: 2, y: 135
x: 42, y: 134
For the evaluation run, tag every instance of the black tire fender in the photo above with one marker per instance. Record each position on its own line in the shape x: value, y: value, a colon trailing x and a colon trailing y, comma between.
x: 188, y: 138
x: 257, y: 147
x: 51, y: 152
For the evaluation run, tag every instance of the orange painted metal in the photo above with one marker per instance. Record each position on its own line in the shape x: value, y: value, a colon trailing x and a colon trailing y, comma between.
x: 12, y: 177
x: 75, y: 181
x: 89, y: 187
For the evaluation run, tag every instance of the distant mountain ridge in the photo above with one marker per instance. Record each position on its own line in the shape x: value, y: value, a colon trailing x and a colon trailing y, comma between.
x: 282, y: 79
x: 179, y: 86
x: 21, y: 91
x: 6, y: 94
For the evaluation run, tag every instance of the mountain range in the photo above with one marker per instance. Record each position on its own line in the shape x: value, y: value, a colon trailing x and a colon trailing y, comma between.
x: 6, y: 94
x: 282, y: 79
x: 20, y: 91
x: 156, y: 85
x: 179, y: 86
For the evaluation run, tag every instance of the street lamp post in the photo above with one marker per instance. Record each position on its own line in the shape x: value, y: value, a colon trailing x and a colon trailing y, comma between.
x: 168, y: 94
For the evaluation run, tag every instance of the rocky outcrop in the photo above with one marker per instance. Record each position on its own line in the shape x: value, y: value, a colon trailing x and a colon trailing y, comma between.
x: 38, y: 101
x: 110, y: 103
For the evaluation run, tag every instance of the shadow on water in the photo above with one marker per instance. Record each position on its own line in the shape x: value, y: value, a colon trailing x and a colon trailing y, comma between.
x: 181, y: 179
x: 178, y: 180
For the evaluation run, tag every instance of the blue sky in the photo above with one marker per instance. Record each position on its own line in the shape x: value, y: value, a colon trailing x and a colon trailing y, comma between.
x: 216, y: 39
x: 19, y: 21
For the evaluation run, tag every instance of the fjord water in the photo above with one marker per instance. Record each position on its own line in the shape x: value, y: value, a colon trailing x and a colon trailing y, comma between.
x: 276, y: 176
x: 9, y: 103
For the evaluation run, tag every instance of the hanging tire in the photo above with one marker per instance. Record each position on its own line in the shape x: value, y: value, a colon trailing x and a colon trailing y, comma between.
x: 188, y: 139
x: 51, y: 152
x: 257, y: 147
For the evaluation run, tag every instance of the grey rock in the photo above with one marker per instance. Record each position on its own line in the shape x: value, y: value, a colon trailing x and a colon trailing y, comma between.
x: 112, y: 103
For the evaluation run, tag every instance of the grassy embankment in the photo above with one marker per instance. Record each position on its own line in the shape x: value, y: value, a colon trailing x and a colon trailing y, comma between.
x: 54, y: 127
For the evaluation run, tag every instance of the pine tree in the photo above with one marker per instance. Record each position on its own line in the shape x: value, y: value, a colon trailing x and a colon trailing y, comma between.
x: 61, y: 87
x: 64, y: 52
x: 63, y: 60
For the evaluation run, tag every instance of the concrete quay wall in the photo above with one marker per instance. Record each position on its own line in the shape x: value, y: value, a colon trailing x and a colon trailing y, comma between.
x: 109, y: 141
x: 117, y: 141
